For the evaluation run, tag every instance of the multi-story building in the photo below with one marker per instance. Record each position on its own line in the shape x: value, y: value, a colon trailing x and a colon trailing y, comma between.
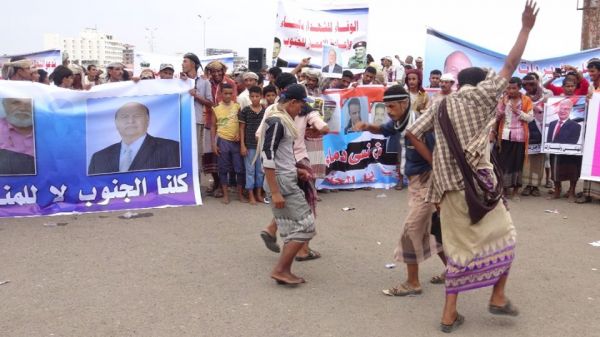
x: 128, y: 56
x: 90, y: 47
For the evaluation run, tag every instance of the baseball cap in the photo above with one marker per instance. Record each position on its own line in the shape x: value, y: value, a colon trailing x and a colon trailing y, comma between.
x: 164, y: 66
x: 295, y: 91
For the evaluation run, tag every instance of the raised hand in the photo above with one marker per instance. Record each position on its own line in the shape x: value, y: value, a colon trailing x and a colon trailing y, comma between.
x: 529, y: 14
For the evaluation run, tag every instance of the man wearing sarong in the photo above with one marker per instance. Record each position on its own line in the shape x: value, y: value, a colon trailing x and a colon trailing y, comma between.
x: 479, y: 246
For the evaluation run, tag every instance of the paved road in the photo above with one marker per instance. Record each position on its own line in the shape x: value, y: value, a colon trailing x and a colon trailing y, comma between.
x: 202, y: 271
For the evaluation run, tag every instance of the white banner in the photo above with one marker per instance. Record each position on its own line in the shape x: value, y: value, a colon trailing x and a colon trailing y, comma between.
x: 334, y: 39
x: 47, y: 59
x: 590, y: 167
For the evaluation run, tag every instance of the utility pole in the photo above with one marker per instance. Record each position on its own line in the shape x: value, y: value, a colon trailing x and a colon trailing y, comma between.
x: 204, y: 19
x: 150, y: 37
x: 590, y: 26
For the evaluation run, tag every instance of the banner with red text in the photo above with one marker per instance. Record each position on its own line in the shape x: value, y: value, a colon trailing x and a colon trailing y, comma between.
x: 324, y: 34
x: 357, y: 159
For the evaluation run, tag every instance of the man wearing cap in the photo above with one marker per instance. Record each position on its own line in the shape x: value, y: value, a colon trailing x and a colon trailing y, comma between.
x: 17, y: 69
x: 166, y: 70
x: 312, y: 81
x: 250, y: 79
x: 359, y: 59
x: 114, y: 72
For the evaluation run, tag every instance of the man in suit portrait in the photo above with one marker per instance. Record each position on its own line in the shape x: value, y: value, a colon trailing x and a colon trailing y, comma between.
x: 332, y: 66
x: 564, y: 130
x: 15, y: 163
x: 277, y: 62
x: 137, y: 150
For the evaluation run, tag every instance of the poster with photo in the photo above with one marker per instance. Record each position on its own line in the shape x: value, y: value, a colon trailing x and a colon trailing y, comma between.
x: 564, y: 125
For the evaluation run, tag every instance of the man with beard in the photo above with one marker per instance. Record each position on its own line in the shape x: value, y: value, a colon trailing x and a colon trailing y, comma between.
x: 114, y: 72
x: 16, y: 129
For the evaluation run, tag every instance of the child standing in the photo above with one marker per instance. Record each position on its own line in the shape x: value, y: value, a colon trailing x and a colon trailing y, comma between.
x: 294, y: 218
x: 270, y: 94
x: 226, y: 141
x: 250, y: 118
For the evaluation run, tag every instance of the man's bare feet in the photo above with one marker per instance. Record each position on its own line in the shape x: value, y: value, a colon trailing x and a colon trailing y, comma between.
x: 251, y: 198
x: 225, y: 200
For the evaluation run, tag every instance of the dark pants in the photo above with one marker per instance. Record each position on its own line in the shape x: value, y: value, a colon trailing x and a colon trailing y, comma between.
x: 229, y: 160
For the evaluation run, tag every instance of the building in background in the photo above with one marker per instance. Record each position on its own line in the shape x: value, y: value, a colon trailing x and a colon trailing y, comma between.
x: 128, y: 53
x: 90, y: 47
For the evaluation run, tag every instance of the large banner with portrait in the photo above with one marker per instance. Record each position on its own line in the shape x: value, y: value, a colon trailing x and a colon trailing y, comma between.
x: 564, y: 125
x: 334, y: 38
x: 47, y: 60
x: 118, y: 146
x: 357, y: 159
x: 451, y: 55
x: 590, y: 167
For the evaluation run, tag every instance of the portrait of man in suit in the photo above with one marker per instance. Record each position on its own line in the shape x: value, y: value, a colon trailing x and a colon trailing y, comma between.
x: 137, y: 150
x: 564, y: 130
x: 278, y: 62
x: 15, y: 163
x: 332, y: 66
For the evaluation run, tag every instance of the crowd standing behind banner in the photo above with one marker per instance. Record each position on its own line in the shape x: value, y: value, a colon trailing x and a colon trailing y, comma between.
x: 343, y: 141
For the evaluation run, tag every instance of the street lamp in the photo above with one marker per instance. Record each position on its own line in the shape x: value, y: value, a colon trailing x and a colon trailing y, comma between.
x: 204, y: 19
x: 150, y: 37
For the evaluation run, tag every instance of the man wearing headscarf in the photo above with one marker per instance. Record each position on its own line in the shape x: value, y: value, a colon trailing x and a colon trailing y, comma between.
x: 312, y: 82
x: 17, y: 69
x: 249, y: 79
x: 114, y: 72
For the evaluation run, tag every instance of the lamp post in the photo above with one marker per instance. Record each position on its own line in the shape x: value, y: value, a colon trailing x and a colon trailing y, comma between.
x: 150, y: 37
x: 204, y: 19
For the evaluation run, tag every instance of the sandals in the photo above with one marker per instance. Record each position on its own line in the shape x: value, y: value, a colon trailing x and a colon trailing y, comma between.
x: 507, y: 310
x: 448, y: 328
x: 312, y: 255
x: 218, y: 193
x: 399, y: 186
x: 403, y: 289
x: 583, y: 199
x: 438, y: 279
x: 270, y: 242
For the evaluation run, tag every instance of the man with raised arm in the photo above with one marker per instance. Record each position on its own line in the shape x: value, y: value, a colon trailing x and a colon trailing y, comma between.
x: 479, y: 236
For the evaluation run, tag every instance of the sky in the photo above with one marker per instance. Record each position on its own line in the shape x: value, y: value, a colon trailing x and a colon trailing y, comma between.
x: 395, y: 27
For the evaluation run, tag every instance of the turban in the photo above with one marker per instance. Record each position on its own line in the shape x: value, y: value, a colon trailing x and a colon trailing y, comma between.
x: 250, y: 75
x: 10, y: 68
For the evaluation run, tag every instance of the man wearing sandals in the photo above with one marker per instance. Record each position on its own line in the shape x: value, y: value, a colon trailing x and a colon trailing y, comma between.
x: 479, y: 250
x: 416, y: 243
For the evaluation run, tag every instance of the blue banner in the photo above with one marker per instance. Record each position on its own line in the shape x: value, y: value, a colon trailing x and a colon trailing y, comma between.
x: 450, y: 55
x: 118, y: 146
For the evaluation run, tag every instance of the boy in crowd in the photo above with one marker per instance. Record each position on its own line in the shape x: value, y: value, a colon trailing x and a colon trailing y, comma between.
x: 270, y: 94
x: 250, y: 118
x: 226, y: 141
x: 294, y: 218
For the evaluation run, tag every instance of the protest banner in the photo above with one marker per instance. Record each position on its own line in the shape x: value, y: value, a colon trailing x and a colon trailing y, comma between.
x: 451, y: 54
x: 47, y: 60
x: 118, y: 146
x: 590, y: 167
x: 564, y: 125
x: 357, y: 159
x: 333, y: 38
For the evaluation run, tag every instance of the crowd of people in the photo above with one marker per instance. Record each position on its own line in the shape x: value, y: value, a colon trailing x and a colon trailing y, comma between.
x: 465, y: 152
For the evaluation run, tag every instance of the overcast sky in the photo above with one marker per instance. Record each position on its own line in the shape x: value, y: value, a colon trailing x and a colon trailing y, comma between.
x: 395, y: 27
